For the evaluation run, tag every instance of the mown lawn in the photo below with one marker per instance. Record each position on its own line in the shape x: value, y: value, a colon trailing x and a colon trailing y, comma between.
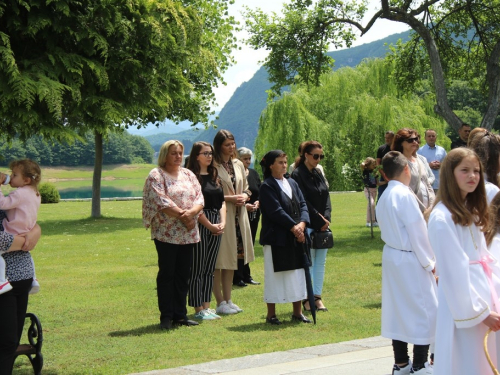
x: 98, y: 301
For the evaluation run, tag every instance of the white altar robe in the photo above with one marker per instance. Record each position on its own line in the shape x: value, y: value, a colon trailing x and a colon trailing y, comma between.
x: 464, y: 296
x: 409, y: 299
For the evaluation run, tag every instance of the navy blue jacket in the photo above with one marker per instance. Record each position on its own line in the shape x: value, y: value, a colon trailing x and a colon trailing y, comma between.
x: 276, y: 211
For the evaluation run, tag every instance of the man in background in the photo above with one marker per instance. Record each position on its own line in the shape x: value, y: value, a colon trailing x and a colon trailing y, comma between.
x: 381, y: 152
x: 434, y: 155
x: 463, y: 134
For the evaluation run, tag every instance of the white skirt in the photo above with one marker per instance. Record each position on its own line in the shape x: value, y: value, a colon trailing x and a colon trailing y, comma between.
x: 282, y: 287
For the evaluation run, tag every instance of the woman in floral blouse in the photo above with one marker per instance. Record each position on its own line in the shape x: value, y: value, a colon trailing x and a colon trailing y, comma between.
x: 172, y: 201
x: 14, y: 303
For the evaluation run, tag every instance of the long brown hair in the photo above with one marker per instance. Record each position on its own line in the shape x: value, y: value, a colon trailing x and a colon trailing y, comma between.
x: 219, y: 139
x: 194, y: 166
x: 475, y: 207
x: 487, y: 147
x: 493, y: 226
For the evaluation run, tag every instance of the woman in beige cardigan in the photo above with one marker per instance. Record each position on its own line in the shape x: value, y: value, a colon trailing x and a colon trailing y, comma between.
x: 237, y: 238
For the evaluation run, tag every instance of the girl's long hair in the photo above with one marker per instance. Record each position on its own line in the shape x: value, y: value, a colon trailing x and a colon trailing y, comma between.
x: 493, y: 226
x: 487, y: 147
x: 475, y: 207
x: 194, y: 166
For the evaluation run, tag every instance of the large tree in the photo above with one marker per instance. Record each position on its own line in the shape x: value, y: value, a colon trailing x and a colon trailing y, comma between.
x: 455, y: 38
x: 67, y: 67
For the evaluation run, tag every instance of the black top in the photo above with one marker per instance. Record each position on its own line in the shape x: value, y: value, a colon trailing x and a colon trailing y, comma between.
x: 315, y: 191
x: 254, y: 182
x: 213, y: 194
x: 458, y: 143
x: 383, y: 150
x: 369, y: 178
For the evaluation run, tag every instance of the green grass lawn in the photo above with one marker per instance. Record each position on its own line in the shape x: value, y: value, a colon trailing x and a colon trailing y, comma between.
x: 98, y: 302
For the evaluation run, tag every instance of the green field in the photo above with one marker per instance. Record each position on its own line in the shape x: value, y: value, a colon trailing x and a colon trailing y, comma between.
x: 98, y: 301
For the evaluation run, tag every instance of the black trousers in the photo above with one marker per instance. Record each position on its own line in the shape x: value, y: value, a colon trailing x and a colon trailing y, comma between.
x: 420, y: 353
x: 172, y: 282
x: 13, y: 307
x: 243, y: 271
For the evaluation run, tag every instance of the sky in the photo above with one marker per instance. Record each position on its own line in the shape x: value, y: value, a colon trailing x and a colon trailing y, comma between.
x: 248, y: 59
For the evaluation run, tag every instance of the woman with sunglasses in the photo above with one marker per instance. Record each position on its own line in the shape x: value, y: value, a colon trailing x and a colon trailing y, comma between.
x: 315, y: 190
x: 407, y: 141
x: 213, y: 221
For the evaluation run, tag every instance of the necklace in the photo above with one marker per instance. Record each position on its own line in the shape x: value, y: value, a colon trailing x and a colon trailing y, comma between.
x: 473, y: 240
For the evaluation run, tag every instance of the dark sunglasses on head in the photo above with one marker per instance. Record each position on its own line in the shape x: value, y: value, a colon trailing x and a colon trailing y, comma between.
x: 317, y: 156
x: 206, y: 154
x: 411, y: 140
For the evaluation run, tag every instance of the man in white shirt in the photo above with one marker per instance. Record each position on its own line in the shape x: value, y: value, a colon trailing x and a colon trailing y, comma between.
x: 434, y: 155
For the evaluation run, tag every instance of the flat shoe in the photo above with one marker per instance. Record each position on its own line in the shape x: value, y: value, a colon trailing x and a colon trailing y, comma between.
x: 252, y: 282
x: 300, y: 318
x: 240, y: 283
x: 166, y: 325
x: 186, y: 322
x: 273, y: 320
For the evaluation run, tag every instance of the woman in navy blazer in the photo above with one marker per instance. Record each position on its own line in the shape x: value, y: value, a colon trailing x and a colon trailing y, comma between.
x: 283, y: 235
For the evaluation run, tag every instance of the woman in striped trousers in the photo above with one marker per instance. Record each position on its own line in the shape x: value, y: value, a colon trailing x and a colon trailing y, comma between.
x: 212, y: 220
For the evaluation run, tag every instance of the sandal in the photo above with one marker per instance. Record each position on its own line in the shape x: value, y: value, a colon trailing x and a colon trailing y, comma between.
x: 318, y: 298
x: 304, y: 305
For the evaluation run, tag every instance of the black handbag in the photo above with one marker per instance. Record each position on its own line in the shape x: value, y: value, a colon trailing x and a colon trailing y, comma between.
x: 322, y: 239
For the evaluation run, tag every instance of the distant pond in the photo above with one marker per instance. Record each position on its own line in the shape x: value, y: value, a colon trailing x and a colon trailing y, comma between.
x: 106, y: 192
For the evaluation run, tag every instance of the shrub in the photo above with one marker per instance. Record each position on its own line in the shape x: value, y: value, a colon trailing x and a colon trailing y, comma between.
x: 49, y: 193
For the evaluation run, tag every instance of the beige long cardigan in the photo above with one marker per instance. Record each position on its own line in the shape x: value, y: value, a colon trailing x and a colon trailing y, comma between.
x: 228, y: 254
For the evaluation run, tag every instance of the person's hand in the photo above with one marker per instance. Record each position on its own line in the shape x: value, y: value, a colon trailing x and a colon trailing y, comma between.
x: 217, y: 229
x: 3, y: 176
x: 326, y: 225
x: 190, y: 224
x: 250, y: 207
x: 240, y: 199
x: 493, y: 321
x: 256, y: 205
x: 298, y: 232
x: 31, y: 238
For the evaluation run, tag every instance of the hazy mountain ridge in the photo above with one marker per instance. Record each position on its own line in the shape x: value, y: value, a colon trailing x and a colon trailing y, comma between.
x: 241, y: 113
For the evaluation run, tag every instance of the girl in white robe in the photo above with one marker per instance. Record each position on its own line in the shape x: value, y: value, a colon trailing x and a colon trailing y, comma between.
x: 469, y: 277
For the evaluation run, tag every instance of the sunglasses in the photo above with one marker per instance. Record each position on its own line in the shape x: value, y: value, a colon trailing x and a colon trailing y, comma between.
x: 206, y: 154
x: 317, y: 156
x: 411, y: 140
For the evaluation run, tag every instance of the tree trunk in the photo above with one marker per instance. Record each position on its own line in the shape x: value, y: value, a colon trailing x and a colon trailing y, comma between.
x: 96, y: 180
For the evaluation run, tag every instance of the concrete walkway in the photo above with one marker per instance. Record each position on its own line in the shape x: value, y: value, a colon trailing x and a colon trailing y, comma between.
x: 371, y: 356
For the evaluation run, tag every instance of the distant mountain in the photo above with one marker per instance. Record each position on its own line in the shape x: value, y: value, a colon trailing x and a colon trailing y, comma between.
x: 241, y: 113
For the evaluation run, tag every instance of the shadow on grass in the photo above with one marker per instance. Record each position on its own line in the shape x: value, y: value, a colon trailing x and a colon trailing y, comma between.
x: 377, y: 305
x: 141, y: 331
x: 89, y: 225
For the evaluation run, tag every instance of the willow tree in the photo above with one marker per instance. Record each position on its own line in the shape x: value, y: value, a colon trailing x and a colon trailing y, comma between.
x: 70, y: 67
x: 348, y: 113
x: 457, y: 39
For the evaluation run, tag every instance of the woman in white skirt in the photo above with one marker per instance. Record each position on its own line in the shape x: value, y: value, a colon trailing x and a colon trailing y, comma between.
x: 283, y: 236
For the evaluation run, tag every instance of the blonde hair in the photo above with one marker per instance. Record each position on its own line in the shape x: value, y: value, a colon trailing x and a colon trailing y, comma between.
x: 475, y: 207
x: 162, y: 155
x: 28, y: 169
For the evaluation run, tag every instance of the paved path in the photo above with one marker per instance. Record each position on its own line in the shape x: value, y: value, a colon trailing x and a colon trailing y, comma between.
x: 371, y: 356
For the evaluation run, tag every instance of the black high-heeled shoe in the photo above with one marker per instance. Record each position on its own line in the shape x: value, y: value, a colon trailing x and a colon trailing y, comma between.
x: 318, y: 298
x: 304, y: 305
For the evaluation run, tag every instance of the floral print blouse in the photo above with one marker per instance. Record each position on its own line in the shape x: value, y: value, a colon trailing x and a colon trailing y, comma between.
x: 162, y: 191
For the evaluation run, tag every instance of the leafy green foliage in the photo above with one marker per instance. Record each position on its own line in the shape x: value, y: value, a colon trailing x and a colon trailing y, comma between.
x: 48, y: 193
x: 452, y: 40
x: 348, y: 113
